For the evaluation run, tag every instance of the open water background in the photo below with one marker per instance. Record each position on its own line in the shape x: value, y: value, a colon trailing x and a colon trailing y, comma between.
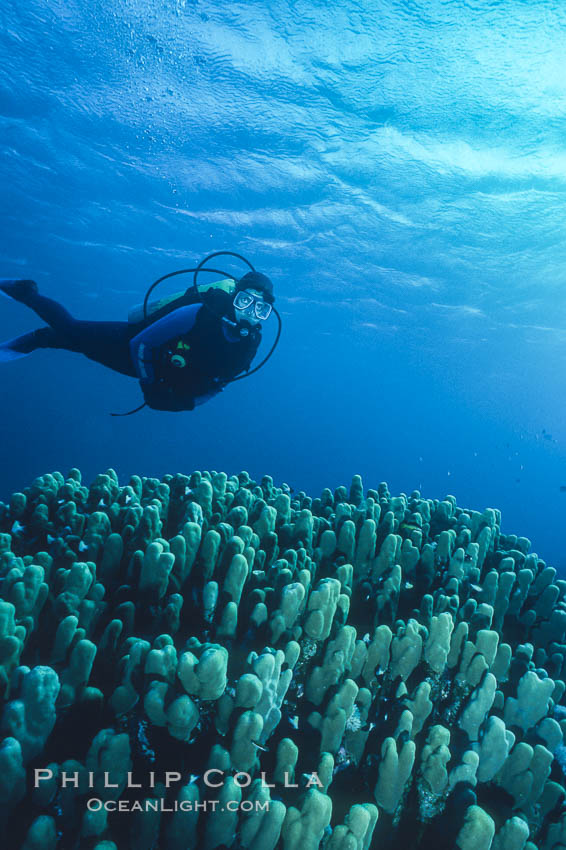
x: 397, y: 168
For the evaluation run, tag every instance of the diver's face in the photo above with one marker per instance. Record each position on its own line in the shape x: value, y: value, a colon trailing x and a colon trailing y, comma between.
x: 248, y: 314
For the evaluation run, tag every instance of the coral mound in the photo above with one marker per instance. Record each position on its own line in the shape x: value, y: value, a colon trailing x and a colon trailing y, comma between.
x: 210, y: 662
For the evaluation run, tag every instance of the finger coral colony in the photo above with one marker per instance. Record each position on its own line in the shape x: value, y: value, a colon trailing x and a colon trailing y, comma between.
x: 211, y: 662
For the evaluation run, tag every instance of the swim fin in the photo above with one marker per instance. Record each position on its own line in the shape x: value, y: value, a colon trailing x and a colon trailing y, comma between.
x: 18, y: 290
x: 7, y: 354
x: 20, y: 346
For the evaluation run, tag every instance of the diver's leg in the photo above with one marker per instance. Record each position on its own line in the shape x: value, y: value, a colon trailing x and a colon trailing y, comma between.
x: 23, y: 345
x: 26, y: 292
x: 17, y: 289
x: 107, y: 343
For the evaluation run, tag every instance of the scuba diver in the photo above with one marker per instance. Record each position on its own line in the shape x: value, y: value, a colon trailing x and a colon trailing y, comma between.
x: 183, y: 349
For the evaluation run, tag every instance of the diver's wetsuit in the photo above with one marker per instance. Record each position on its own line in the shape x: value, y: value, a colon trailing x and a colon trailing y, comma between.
x: 211, y: 348
x: 106, y: 342
x: 182, y: 356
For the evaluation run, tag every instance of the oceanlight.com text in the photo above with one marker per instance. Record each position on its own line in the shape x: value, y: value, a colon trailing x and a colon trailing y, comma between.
x: 95, y: 804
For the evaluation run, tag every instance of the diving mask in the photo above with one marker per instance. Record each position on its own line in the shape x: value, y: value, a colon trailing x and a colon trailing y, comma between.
x: 244, y: 300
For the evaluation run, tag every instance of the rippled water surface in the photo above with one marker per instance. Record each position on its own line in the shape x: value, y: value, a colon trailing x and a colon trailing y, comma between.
x: 397, y: 168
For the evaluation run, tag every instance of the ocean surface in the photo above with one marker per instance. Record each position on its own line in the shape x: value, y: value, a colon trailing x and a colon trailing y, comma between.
x: 398, y: 169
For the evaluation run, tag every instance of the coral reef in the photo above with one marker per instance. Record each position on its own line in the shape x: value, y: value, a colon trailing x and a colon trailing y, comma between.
x: 212, y: 662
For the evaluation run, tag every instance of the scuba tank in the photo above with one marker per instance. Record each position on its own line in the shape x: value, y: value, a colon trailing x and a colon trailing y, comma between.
x: 138, y: 314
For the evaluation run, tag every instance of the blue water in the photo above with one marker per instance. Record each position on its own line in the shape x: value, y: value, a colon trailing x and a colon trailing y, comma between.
x: 397, y: 168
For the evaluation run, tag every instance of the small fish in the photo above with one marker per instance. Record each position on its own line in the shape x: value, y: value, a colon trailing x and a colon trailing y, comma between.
x: 50, y: 538
x: 17, y: 527
x: 82, y: 546
x: 101, y: 503
x: 128, y: 499
x: 259, y: 747
x: 194, y: 778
